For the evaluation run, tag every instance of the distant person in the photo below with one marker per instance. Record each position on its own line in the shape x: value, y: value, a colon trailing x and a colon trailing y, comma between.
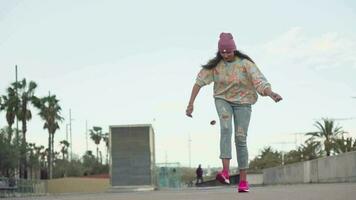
x: 237, y: 80
x: 199, y: 173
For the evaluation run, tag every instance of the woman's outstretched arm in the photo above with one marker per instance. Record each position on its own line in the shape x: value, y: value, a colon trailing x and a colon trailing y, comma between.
x: 190, y: 107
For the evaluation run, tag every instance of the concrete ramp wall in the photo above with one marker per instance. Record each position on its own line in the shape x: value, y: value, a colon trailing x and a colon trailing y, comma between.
x: 340, y: 168
x: 77, y: 185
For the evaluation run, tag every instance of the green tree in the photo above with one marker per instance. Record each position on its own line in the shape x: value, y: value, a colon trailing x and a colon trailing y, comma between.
x: 8, y: 154
x: 39, y: 151
x: 311, y: 149
x: 64, y: 149
x: 89, y: 162
x: 327, y: 134
x: 293, y: 156
x: 26, y: 95
x: 344, y: 145
x: 9, y: 104
x: 50, y: 112
x: 267, y: 158
x: 75, y: 168
x: 62, y: 165
x: 34, y: 159
x: 44, y: 159
x: 96, y: 136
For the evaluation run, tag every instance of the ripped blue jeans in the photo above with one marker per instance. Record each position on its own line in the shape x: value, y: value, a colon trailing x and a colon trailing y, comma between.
x: 241, y: 114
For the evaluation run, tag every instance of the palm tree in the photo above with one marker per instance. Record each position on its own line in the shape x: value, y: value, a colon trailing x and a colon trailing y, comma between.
x: 96, y: 136
x: 50, y: 113
x: 311, y: 149
x: 345, y: 145
x: 327, y: 134
x: 26, y: 95
x: 34, y: 164
x: 64, y: 149
x: 9, y: 104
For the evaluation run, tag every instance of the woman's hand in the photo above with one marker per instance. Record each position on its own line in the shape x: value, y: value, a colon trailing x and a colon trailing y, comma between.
x: 189, y: 110
x: 194, y: 94
x: 276, y: 97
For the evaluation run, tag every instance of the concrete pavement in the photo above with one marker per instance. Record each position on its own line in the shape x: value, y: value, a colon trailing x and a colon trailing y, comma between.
x: 334, y: 191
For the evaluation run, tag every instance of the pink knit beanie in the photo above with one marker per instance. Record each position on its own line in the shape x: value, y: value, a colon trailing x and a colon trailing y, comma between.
x: 226, y: 43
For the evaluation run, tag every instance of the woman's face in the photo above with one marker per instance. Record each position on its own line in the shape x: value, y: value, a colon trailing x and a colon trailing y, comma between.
x: 228, y: 56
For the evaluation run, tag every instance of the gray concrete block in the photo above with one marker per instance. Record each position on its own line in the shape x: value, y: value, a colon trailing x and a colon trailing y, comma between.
x: 132, y: 156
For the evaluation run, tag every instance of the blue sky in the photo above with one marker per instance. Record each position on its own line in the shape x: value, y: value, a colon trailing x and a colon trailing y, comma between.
x: 134, y: 62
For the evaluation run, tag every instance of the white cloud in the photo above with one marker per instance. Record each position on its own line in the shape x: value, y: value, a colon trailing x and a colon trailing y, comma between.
x: 328, y: 50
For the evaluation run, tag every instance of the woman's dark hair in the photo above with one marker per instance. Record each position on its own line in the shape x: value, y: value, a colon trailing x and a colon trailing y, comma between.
x: 214, y: 61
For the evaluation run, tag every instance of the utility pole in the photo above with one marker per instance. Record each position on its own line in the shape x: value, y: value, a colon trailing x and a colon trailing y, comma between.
x: 70, y: 133
x: 189, y: 151
x: 67, y: 132
x: 296, y: 138
x: 86, y: 135
x: 17, y: 105
x: 17, y: 124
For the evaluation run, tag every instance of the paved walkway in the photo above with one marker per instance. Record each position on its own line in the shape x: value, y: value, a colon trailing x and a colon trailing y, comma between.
x: 343, y: 191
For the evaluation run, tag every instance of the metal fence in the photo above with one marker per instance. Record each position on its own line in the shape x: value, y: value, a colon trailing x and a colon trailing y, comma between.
x: 169, y: 175
x: 21, y: 187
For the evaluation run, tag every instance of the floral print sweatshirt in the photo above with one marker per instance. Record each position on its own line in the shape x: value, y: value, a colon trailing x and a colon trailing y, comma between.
x: 237, y: 82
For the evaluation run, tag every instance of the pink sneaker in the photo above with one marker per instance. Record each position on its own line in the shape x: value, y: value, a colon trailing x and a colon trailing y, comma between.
x: 243, y: 186
x: 223, y: 177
